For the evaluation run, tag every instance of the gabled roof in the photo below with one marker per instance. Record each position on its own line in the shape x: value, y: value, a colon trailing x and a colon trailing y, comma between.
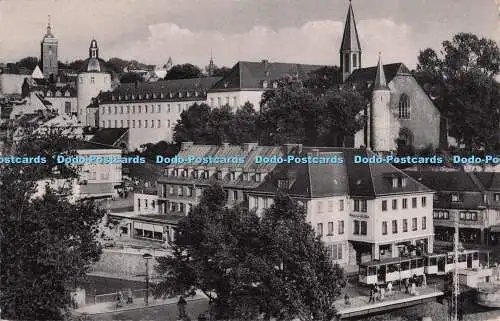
x: 490, y: 180
x: 350, y: 39
x: 369, y: 74
x: 251, y: 75
x: 108, y: 136
x: 458, y: 181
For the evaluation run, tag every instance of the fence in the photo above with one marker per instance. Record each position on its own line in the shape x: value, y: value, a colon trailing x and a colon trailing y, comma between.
x: 113, y: 297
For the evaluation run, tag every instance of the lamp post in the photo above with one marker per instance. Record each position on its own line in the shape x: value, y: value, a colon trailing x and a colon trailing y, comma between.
x: 147, y: 257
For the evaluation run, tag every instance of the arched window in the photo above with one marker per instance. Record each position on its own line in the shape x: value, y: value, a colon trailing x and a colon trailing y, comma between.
x: 405, y: 137
x: 404, y: 107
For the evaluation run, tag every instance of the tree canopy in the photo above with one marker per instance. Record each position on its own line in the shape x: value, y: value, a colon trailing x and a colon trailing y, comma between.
x: 184, y: 71
x: 46, y: 241
x: 460, y: 80
x: 250, y: 266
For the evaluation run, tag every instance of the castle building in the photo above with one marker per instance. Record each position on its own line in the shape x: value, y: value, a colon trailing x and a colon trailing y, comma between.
x: 48, y: 57
x: 400, y: 113
x: 92, y: 79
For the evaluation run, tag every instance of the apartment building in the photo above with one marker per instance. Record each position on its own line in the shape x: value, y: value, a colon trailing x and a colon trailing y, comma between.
x: 151, y: 110
x: 470, y: 198
x: 362, y: 211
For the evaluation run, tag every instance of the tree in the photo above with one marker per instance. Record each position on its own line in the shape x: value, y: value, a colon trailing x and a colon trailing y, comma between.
x: 245, y: 124
x: 248, y: 265
x: 192, y: 125
x: 323, y: 79
x: 76, y: 65
x: 461, y: 83
x: 162, y: 148
x: 46, y: 241
x: 218, y: 71
x: 29, y: 63
x: 184, y: 71
x: 131, y: 78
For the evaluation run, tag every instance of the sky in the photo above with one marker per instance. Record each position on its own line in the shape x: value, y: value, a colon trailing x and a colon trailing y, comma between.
x: 300, y: 31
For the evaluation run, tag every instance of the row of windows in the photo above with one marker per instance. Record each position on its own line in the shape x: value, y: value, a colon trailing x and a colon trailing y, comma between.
x: 58, y: 94
x: 414, y: 225
x: 360, y: 227
x: 146, y: 203
x: 219, y: 101
x: 331, y: 228
x: 404, y: 203
x: 151, y: 109
x: 136, y: 123
x: 463, y: 215
x: 92, y: 80
x: 205, y: 174
x: 330, y: 205
x: 335, y: 251
x: 179, y: 94
x: 178, y: 207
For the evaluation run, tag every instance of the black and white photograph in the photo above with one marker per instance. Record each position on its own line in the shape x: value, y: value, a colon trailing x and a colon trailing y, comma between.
x: 250, y: 160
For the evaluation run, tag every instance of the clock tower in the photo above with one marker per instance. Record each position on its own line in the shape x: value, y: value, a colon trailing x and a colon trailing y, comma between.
x: 48, y: 59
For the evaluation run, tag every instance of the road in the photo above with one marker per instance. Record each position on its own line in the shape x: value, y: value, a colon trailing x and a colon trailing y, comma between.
x: 157, y: 313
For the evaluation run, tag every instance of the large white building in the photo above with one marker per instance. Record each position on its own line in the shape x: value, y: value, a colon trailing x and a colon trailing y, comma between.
x: 151, y: 110
x: 92, y: 80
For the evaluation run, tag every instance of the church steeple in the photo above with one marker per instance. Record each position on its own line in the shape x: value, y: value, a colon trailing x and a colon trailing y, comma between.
x: 380, y: 80
x: 93, y: 49
x: 211, y: 65
x: 350, y: 49
x: 49, y: 27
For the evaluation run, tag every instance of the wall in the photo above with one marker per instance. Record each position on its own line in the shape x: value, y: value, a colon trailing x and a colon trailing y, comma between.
x: 243, y: 96
x: 424, y: 120
x: 104, y: 173
x: 86, y: 90
x: 127, y: 262
x: 148, y: 203
x: 11, y: 83
x: 59, y: 103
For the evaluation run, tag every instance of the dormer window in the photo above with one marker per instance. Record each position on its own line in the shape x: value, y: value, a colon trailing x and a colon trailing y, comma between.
x: 196, y: 93
x: 456, y: 197
x: 147, y: 96
x: 133, y: 96
x: 113, y: 97
x: 245, y: 177
x: 170, y: 95
x: 233, y: 176
x: 140, y: 97
x: 195, y: 173
x: 264, y: 84
x: 120, y: 97
x: 275, y: 84
x: 188, y: 94
x: 258, y: 177
x: 162, y: 95
x: 394, y: 182
x: 399, y: 182
x: 205, y: 174
x: 180, y: 94
x: 219, y: 175
x: 154, y: 96
x: 283, y: 183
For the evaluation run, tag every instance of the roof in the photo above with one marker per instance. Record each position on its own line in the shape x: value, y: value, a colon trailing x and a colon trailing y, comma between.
x: 108, y: 136
x: 490, y: 180
x: 380, y: 81
x: 350, y: 39
x: 252, y: 75
x: 185, y: 89
x: 369, y: 74
x: 93, y: 65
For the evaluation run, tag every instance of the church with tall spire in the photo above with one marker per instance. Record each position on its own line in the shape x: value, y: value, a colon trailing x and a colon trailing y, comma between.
x: 400, y: 115
x: 48, y: 55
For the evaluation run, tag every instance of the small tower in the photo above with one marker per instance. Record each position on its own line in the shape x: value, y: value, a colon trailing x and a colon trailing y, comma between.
x: 350, y: 49
x: 48, y: 53
x: 211, y: 65
x: 380, y: 113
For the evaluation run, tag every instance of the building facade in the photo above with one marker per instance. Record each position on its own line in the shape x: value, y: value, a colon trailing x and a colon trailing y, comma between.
x: 92, y: 79
x: 48, y: 55
x: 151, y: 110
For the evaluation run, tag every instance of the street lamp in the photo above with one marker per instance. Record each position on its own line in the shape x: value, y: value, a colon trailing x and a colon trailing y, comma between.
x: 147, y: 257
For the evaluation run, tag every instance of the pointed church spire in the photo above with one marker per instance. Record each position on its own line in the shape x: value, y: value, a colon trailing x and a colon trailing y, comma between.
x: 350, y: 40
x: 49, y: 27
x: 211, y: 65
x: 380, y: 81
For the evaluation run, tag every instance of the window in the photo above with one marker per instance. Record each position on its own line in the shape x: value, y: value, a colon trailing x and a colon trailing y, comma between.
x: 394, y: 226
x: 404, y: 107
x: 357, y: 227
x: 330, y: 228
x: 116, y: 110
x: 405, y: 225
x: 133, y: 109
x: 103, y: 123
x: 341, y: 227
x: 354, y: 60
x: 179, y: 108
x: 384, y: 205
x: 235, y: 195
x: 360, y: 205
x: 121, y: 123
x: 347, y: 67
x: 414, y: 202
x: 218, y: 175
x: 496, y: 197
x: 146, y: 123
x: 109, y: 109
x: 258, y: 177
x: 67, y: 107
x: 334, y: 251
x: 168, y: 123
x: 394, y: 182
x: 219, y: 101
x: 384, y: 228
x: 405, y: 203
x: 121, y: 109
x: 320, y: 206
x: 319, y: 229
x: 227, y: 100
x: 139, y: 109
x: 139, y: 123
x: 456, y: 197
x: 169, y: 109
x: 282, y: 183
x: 128, y: 109
x: 414, y: 224
x: 235, y: 101
x: 116, y: 123
x: 92, y: 80
x: 341, y: 205
x: 212, y: 101
x: 158, y: 109
x: 330, y: 206
x: 394, y: 204
x: 424, y: 201
x: 133, y: 123
x: 424, y: 222
x: 364, y: 228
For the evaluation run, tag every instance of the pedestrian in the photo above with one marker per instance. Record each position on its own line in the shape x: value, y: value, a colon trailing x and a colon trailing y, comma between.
x: 389, y: 288
x: 413, y: 289
x: 347, y: 299
x: 119, y: 304
x: 372, y: 298
x: 130, y: 296
x: 181, y: 306
x: 407, y: 285
x: 381, y: 295
x: 424, y: 281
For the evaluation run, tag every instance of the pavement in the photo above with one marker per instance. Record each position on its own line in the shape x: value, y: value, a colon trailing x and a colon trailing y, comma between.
x: 137, y: 278
x: 110, y: 307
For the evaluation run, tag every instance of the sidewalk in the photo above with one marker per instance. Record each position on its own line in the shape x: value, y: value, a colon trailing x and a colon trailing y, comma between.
x: 110, y: 307
x: 137, y: 278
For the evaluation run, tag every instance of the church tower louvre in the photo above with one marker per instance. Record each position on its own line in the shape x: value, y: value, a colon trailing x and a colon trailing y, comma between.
x: 350, y: 49
x: 48, y: 56
x: 380, y: 113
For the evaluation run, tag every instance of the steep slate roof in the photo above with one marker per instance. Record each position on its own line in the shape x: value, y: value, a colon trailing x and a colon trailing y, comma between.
x: 322, y: 180
x: 490, y: 180
x: 251, y: 75
x: 350, y: 39
x: 368, y: 74
x: 108, y: 136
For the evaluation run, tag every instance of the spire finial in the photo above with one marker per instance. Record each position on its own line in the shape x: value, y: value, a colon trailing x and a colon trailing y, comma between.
x: 49, y: 27
x: 380, y: 80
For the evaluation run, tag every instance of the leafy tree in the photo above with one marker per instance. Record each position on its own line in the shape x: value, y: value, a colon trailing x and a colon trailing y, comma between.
x: 323, y: 79
x: 162, y: 148
x: 461, y: 83
x: 245, y: 124
x: 29, y: 63
x: 218, y: 71
x: 193, y: 124
x: 221, y: 126
x: 247, y: 266
x: 46, y: 241
x: 184, y: 71
x: 130, y: 78
x: 76, y: 65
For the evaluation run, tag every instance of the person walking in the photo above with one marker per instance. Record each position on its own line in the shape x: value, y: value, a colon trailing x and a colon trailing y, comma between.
x: 389, y: 288
x: 181, y: 306
x: 372, y: 293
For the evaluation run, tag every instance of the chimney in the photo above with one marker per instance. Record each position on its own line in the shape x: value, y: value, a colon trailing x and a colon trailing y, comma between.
x: 225, y: 145
x: 186, y: 145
